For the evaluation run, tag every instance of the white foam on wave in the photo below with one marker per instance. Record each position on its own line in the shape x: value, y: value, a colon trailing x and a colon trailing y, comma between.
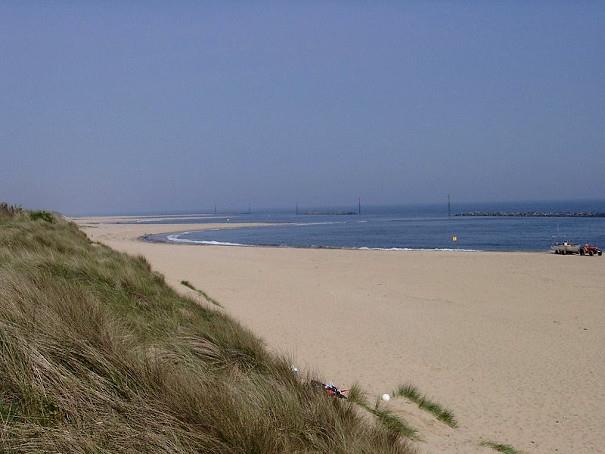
x: 364, y: 248
x: 175, y: 239
x: 220, y: 243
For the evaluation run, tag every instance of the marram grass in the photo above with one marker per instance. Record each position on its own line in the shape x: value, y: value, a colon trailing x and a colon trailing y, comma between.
x: 500, y: 447
x: 207, y: 297
x: 411, y: 392
x: 98, y: 354
x: 385, y: 416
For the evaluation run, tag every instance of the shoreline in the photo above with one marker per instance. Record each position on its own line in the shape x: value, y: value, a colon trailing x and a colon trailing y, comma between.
x: 206, y: 243
x: 498, y: 337
x: 177, y: 242
x: 166, y: 240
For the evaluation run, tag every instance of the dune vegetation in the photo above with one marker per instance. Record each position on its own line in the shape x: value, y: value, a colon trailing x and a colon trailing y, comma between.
x: 411, y: 392
x: 98, y: 354
x: 500, y: 447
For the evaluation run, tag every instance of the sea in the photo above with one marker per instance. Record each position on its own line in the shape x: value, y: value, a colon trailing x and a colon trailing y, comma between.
x: 416, y: 227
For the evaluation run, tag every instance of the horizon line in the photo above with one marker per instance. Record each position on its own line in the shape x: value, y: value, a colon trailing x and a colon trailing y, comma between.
x: 240, y: 210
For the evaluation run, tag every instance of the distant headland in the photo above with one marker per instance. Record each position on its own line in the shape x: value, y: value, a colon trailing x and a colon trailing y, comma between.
x: 328, y: 213
x: 535, y: 214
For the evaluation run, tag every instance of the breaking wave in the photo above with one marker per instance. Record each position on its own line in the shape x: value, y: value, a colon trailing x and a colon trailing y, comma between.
x: 364, y: 248
x: 175, y: 239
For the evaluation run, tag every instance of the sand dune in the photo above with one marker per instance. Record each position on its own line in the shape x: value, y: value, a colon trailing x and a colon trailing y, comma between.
x: 513, y: 343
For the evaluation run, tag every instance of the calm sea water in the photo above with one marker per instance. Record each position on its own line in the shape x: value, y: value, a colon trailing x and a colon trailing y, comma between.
x: 421, y: 227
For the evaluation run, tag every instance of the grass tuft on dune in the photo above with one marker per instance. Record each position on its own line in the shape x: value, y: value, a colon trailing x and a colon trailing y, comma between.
x: 98, y: 354
x: 204, y: 295
x: 500, y: 447
x: 386, y: 417
x: 442, y: 414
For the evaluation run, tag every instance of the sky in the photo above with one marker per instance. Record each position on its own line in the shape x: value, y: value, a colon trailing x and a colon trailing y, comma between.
x: 118, y: 107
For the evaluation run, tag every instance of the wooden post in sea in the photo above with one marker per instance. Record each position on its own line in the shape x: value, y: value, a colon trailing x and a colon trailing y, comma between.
x: 359, y: 206
x: 449, y: 207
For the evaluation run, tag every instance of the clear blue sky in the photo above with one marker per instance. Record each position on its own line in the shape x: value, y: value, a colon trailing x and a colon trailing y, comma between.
x: 149, y: 106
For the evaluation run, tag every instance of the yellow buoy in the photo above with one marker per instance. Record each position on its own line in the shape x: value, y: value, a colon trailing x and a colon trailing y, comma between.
x: 454, y: 238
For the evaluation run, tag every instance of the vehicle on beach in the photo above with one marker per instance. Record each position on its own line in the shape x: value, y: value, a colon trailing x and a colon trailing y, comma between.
x: 590, y: 249
x: 566, y: 247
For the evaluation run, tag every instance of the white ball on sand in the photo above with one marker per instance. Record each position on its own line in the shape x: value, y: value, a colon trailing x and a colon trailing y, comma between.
x: 386, y: 397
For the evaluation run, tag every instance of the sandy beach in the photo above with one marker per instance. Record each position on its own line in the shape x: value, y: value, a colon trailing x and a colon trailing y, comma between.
x: 512, y: 343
